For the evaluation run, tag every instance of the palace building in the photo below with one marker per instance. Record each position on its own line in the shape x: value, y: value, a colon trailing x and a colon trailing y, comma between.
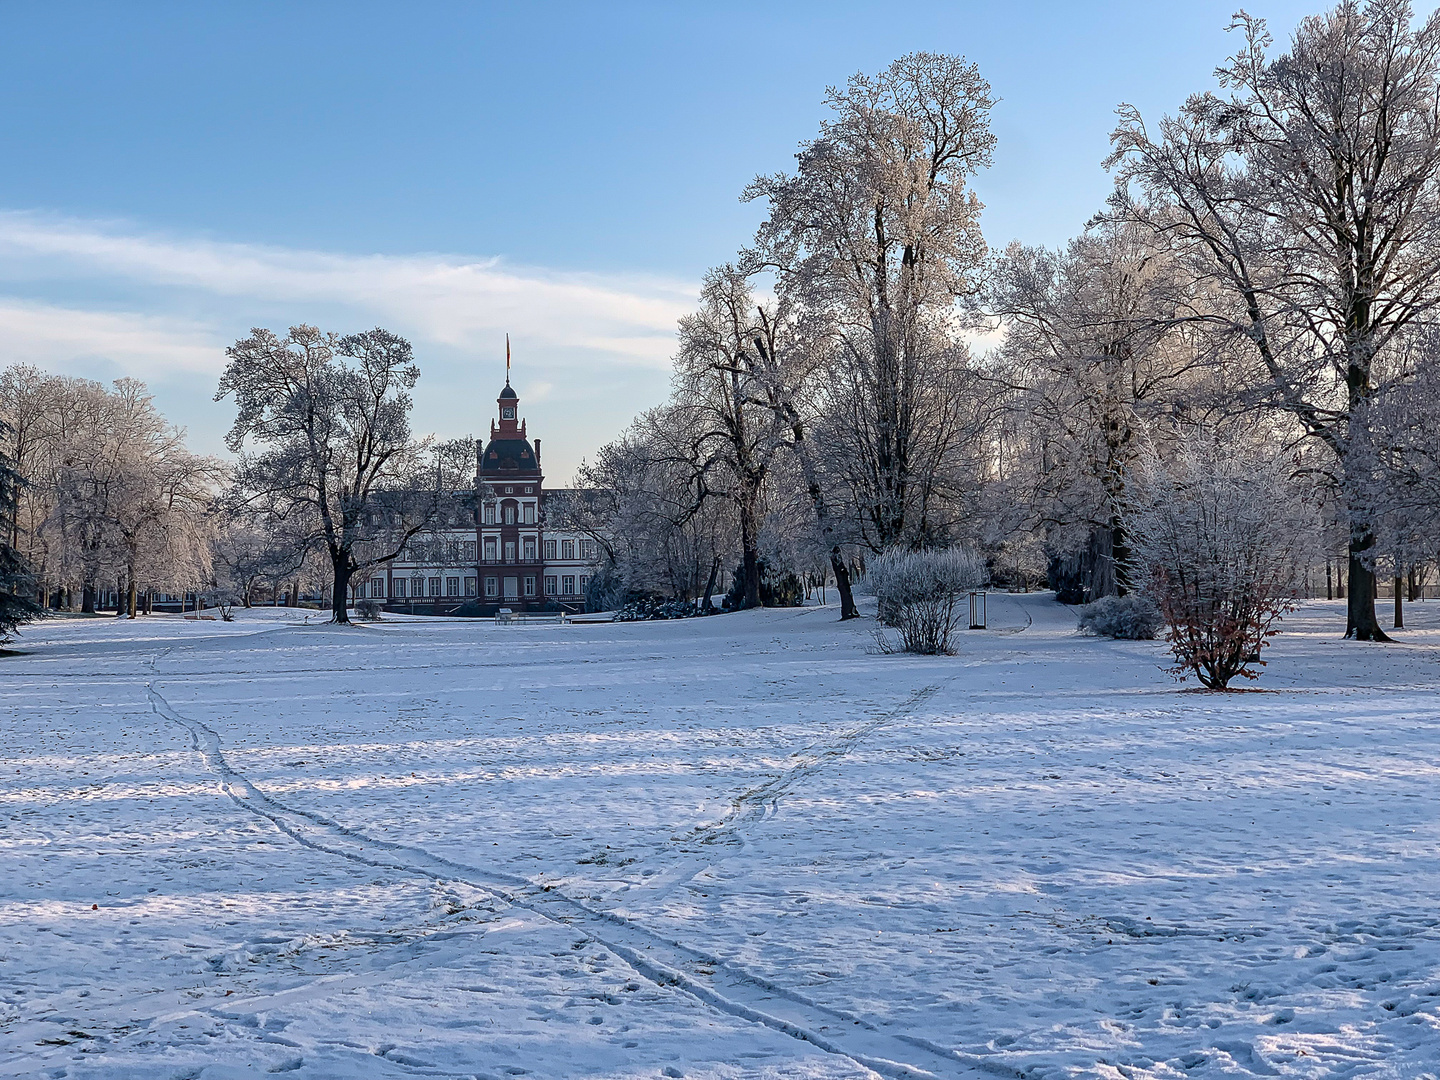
x: 492, y: 549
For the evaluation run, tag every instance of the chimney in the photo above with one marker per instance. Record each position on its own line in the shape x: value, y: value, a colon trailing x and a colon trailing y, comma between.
x: 537, y: 453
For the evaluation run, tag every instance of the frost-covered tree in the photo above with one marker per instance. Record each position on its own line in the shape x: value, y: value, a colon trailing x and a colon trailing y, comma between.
x: 1306, y: 196
x: 877, y: 229
x: 118, y: 500
x: 644, y: 501
x: 1220, y: 532
x: 323, y: 437
x: 719, y: 409
x: 922, y: 594
x: 16, y: 607
x: 1097, y: 345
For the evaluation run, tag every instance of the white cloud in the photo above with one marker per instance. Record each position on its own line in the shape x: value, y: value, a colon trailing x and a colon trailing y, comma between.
x: 73, y: 341
x: 102, y: 299
x: 465, y: 303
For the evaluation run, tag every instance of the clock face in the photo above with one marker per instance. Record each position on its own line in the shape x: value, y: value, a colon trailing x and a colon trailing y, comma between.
x: 507, y: 413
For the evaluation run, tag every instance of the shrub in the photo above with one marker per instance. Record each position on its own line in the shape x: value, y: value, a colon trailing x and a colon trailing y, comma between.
x: 778, y: 587
x: 649, y: 608
x: 1129, y: 618
x: 369, y: 609
x: 920, y: 595
x: 1215, y: 538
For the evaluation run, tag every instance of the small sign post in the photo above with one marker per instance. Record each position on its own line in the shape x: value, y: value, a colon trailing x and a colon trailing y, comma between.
x: 977, y: 611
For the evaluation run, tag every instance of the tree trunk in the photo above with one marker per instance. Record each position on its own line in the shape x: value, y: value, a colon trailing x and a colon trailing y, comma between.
x: 341, y: 588
x: 750, y: 543
x: 710, y: 585
x: 87, y: 598
x: 1399, y: 611
x: 1360, y: 620
x: 1119, y: 557
x: 131, y: 597
x: 848, y: 610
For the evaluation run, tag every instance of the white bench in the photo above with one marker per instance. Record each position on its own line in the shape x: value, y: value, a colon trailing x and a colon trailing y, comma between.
x: 504, y: 617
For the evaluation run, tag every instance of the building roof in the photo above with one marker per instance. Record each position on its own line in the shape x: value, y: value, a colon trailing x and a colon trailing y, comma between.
x: 508, y: 455
x: 508, y: 393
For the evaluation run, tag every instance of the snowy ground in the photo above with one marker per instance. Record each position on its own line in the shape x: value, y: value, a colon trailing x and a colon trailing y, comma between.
x: 734, y: 847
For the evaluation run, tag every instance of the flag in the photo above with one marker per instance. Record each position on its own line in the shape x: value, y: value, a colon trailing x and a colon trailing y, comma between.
x: 507, y: 359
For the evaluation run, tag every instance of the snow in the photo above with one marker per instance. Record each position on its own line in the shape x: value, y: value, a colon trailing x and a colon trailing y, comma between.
x: 745, y: 846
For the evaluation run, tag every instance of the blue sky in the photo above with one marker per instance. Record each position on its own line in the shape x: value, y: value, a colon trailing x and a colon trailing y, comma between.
x: 177, y: 173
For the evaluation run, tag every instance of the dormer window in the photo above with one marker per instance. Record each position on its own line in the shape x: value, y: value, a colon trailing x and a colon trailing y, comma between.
x: 507, y: 413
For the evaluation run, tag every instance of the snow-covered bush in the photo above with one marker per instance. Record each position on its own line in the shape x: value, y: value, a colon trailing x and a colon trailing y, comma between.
x: 921, y: 594
x: 1130, y: 618
x: 223, y: 599
x: 1215, y: 533
x: 369, y: 610
x: 649, y: 608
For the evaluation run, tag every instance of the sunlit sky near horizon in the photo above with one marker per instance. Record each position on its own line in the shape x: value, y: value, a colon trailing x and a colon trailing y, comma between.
x: 175, y: 174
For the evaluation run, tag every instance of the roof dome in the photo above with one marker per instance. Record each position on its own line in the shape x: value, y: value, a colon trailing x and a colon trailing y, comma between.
x: 508, y: 455
x: 508, y: 393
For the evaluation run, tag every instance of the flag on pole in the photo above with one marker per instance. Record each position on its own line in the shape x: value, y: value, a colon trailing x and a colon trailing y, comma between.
x: 507, y: 359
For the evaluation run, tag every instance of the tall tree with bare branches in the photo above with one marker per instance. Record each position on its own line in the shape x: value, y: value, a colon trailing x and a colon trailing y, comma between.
x: 1307, y: 195
x: 326, y: 444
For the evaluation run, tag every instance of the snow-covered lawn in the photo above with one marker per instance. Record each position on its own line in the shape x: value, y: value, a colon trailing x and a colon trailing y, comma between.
x: 733, y: 847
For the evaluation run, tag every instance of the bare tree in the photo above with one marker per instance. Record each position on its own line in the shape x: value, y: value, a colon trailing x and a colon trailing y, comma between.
x: 329, y: 439
x: 732, y: 433
x: 790, y: 364
x: 16, y: 606
x: 1308, y: 197
x: 877, y: 228
x: 1219, y: 537
x: 1097, y: 346
x: 644, y: 501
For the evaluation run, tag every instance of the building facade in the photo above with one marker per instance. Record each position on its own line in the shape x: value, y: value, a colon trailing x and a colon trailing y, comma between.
x: 492, y: 550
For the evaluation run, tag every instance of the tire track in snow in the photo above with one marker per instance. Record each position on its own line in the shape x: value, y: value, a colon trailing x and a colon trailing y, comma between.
x: 660, y: 960
x: 759, y: 802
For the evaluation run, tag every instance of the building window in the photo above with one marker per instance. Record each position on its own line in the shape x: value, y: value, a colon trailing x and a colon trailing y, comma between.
x: 452, y: 586
x: 509, y: 550
x: 529, y: 549
x: 377, y: 588
x: 528, y: 489
x: 567, y: 549
x: 434, y: 586
x: 470, y: 586
x: 567, y: 585
x: 530, y: 586
x: 417, y: 587
x: 492, y: 586
x: 399, y: 588
x: 584, y: 584
x: 489, y: 513
x: 489, y: 549
x: 529, y: 513
x: 469, y: 550
x: 587, y: 549
x: 509, y: 491
x: 549, y: 550
x: 509, y: 513
x: 549, y: 584
x: 452, y: 551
